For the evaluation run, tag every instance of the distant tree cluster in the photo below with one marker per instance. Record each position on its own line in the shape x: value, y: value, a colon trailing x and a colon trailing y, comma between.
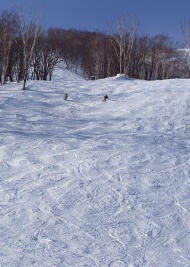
x: 27, y: 51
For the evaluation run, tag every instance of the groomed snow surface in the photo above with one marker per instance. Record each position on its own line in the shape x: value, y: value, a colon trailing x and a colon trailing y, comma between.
x: 90, y: 183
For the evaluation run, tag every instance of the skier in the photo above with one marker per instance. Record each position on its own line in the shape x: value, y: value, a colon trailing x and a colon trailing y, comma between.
x: 66, y: 96
x: 105, y: 98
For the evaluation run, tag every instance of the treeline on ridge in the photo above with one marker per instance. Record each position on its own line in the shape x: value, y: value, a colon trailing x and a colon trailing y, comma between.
x: 27, y: 51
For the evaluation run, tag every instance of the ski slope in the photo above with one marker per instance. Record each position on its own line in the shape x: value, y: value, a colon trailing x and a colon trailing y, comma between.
x: 90, y: 183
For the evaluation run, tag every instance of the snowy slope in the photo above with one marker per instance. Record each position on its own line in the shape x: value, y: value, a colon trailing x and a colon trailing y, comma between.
x: 89, y: 183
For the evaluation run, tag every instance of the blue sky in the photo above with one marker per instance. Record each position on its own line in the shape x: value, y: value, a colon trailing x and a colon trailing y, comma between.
x: 154, y: 16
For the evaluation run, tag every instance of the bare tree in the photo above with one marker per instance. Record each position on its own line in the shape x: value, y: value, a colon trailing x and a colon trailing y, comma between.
x: 132, y: 29
x: 29, y: 33
x: 7, y: 31
x: 185, y: 28
x: 123, y: 41
x: 118, y: 42
x: 46, y: 55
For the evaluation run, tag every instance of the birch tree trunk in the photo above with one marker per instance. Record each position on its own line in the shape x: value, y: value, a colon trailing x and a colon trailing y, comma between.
x: 29, y: 34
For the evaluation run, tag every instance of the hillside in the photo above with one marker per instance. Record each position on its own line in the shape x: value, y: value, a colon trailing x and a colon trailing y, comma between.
x: 92, y: 183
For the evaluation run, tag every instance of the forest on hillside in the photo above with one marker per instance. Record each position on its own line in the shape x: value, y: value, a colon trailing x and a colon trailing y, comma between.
x: 28, y: 51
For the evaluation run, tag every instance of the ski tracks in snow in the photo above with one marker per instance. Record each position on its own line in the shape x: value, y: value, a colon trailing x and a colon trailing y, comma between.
x: 87, y: 183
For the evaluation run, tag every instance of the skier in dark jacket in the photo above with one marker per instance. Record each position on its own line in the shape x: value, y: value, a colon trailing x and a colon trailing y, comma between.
x: 105, y: 98
x: 66, y: 96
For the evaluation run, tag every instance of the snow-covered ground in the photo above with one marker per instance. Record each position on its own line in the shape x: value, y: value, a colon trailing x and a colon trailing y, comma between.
x: 90, y: 183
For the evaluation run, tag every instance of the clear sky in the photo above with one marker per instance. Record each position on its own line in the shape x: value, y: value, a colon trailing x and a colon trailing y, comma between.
x: 154, y: 16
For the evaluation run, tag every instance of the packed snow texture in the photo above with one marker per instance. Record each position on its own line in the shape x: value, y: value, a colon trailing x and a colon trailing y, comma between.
x: 90, y: 183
